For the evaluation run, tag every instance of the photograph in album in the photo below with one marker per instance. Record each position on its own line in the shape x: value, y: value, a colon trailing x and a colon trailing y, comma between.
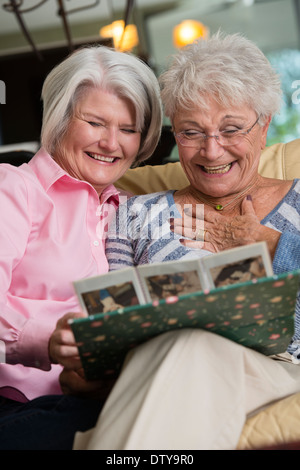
x: 109, y: 292
x: 238, y: 265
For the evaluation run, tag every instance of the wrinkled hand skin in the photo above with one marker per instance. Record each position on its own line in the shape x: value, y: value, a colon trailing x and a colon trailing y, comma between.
x: 226, y: 231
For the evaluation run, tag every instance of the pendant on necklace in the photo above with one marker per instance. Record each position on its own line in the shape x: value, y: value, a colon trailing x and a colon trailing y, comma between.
x: 219, y: 207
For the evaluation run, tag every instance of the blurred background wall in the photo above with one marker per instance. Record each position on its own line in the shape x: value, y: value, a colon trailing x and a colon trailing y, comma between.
x: 37, y: 34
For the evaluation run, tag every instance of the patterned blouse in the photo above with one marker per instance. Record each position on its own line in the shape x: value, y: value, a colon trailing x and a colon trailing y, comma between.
x: 141, y: 234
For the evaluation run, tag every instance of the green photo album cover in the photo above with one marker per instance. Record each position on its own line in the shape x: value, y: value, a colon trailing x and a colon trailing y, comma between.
x: 258, y: 314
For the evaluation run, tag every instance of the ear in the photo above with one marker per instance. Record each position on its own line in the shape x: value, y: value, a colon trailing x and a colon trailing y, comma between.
x: 264, y: 132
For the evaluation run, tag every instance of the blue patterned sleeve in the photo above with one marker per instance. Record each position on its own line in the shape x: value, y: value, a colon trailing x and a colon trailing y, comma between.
x: 287, y: 258
x: 119, y: 248
x: 287, y: 255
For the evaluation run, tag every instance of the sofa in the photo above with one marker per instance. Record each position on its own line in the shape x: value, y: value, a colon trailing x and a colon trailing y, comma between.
x: 278, y: 424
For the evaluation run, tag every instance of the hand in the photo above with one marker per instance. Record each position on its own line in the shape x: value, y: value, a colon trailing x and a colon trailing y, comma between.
x: 224, y: 231
x: 62, y: 345
x: 73, y: 383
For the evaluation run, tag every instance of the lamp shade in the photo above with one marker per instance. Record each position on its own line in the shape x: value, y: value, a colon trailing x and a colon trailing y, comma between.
x: 123, y: 40
x: 187, y: 31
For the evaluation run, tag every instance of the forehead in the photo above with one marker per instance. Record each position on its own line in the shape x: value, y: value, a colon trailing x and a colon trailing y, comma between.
x: 93, y: 97
x: 105, y: 105
x: 213, y: 110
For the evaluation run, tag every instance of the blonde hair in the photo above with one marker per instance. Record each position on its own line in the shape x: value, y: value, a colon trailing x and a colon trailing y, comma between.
x: 99, y: 66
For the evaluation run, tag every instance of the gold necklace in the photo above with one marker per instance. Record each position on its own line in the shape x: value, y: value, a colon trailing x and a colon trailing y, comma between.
x: 219, y: 207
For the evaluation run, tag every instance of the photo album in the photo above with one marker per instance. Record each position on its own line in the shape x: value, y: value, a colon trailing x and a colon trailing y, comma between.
x: 233, y: 293
x: 152, y: 282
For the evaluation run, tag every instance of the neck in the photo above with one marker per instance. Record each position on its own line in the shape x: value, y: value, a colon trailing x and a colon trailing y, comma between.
x: 220, y: 205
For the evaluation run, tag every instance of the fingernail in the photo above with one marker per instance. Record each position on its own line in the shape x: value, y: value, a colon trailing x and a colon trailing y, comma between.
x: 249, y: 197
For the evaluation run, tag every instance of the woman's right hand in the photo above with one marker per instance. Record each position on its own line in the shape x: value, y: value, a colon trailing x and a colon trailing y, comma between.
x: 62, y: 345
x: 223, y: 232
x: 63, y: 350
x: 73, y: 383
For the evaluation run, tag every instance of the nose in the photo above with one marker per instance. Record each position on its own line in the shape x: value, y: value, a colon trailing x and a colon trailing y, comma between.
x: 108, y: 138
x: 211, y: 149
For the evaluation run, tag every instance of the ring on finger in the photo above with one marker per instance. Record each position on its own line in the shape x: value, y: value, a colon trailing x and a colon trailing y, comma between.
x: 200, y: 235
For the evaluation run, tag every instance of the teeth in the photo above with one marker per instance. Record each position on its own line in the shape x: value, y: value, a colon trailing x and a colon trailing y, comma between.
x: 217, y: 169
x: 101, y: 158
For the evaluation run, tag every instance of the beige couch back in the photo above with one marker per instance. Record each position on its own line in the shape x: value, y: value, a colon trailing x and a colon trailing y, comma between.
x: 277, y: 161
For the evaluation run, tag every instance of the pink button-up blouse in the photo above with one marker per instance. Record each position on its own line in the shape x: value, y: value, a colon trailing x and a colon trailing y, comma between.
x: 51, y: 233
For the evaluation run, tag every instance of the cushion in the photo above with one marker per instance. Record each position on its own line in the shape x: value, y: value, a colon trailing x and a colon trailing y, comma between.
x: 276, y: 424
x: 281, y: 161
x: 150, y: 179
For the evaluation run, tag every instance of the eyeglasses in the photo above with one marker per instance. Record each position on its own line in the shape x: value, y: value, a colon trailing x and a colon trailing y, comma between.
x: 195, y: 139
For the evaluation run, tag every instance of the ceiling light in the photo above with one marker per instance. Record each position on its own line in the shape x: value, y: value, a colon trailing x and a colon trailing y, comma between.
x: 123, y: 40
x: 187, y: 31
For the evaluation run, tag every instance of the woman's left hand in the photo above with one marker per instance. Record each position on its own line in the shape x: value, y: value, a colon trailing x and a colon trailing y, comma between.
x: 62, y: 345
x: 222, y: 232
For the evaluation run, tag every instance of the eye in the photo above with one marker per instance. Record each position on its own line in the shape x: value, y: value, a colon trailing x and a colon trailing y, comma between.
x: 189, y: 134
x: 129, y: 131
x: 230, y: 130
x: 93, y: 124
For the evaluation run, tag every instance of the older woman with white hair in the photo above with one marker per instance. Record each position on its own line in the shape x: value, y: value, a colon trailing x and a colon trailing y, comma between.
x: 192, y: 389
x: 102, y: 114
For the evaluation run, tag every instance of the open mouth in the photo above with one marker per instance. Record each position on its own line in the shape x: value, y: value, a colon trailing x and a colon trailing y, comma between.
x: 101, y: 158
x: 220, y: 169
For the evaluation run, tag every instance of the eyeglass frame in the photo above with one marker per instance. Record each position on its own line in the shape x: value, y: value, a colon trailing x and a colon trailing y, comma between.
x: 204, y: 136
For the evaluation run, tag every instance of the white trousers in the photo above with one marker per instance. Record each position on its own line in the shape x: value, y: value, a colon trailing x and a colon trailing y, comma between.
x: 188, y: 390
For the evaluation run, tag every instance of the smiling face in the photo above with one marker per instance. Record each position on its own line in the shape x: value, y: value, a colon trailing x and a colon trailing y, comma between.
x: 215, y: 170
x: 101, y: 142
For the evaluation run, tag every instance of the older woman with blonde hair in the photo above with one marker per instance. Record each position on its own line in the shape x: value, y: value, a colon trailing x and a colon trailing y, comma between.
x: 192, y: 389
x: 102, y: 114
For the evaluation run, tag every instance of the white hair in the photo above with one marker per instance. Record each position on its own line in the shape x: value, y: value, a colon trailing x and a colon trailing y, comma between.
x: 122, y: 74
x: 229, y: 68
